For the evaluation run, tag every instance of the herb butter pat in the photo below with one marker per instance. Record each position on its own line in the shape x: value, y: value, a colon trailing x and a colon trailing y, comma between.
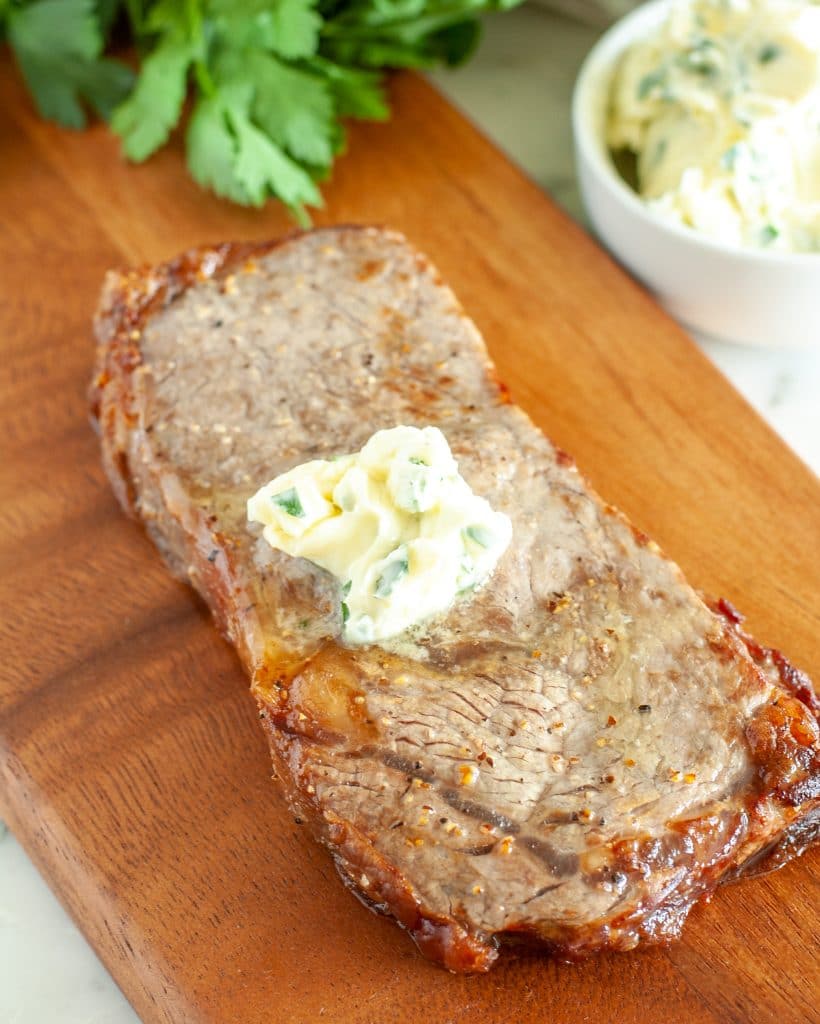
x: 395, y: 523
x: 721, y: 107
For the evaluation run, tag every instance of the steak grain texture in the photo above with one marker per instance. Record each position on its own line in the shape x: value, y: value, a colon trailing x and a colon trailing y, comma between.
x: 575, y: 753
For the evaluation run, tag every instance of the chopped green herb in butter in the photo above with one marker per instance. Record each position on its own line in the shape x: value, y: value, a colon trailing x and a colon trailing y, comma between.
x: 395, y: 523
x: 721, y: 107
x: 289, y: 501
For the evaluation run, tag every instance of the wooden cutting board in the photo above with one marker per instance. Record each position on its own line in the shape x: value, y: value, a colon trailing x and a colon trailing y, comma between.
x: 133, y: 770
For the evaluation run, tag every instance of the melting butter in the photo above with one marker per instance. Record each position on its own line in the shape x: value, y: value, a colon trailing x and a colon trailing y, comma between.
x: 395, y: 523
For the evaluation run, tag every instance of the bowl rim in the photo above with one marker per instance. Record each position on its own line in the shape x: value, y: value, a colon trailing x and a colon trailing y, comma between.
x: 599, y: 62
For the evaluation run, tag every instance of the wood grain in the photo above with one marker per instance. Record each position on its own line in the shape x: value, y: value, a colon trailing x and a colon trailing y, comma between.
x: 132, y: 768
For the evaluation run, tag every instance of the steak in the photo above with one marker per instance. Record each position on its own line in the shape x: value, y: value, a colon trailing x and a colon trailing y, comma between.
x: 574, y: 754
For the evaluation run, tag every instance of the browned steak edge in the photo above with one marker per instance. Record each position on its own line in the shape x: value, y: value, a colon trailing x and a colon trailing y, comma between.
x: 768, y: 735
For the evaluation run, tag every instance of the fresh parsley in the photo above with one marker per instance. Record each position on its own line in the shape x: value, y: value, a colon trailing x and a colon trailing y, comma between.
x: 268, y: 82
x: 59, y: 45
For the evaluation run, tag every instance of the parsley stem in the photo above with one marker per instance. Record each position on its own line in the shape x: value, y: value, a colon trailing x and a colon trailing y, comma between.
x: 134, y: 12
x: 203, y: 79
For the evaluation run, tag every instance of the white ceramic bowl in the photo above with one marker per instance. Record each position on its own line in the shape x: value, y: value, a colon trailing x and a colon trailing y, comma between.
x: 741, y: 295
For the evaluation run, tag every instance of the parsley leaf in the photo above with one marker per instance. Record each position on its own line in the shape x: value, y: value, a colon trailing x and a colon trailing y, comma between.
x: 107, y: 11
x: 295, y: 108
x: 293, y: 28
x: 145, y: 120
x: 58, y: 45
x: 406, y: 33
x: 357, y: 93
x: 211, y: 150
x: 288, y: 28
x: 231, y: 155
x: 269, y: 81
x: 265, y: 170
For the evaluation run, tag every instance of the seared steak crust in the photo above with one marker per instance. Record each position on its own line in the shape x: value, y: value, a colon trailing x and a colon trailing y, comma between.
x: 575, y: 753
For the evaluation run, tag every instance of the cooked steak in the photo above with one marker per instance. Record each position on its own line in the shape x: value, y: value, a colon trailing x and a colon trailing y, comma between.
x: 573, y: 754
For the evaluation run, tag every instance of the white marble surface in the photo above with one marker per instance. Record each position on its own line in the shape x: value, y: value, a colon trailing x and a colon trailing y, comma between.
x: 518, y: 90
x: 48, y: 973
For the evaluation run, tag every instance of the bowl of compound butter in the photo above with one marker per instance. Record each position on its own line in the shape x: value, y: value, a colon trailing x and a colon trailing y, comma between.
x: 697, y: 138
